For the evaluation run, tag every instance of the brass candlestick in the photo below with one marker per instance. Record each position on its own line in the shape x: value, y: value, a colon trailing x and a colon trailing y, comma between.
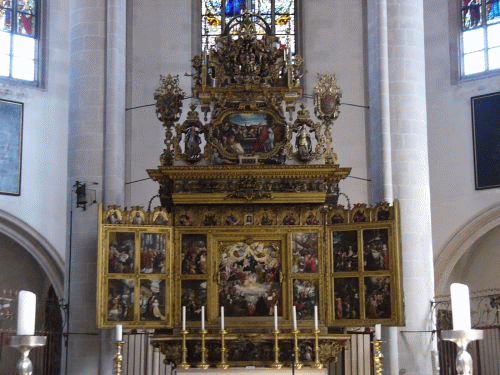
x: 184, y: 365
x: 317, y: 364
x: 377, y: 356
x: 24, y: 344
x: 296, y: 363
x: 203, y: 364
x: 223, y: 364
x: 118, y: 358
x: 276, y: 363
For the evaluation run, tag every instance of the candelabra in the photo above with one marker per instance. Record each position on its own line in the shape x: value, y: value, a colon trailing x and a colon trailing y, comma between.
x: 276, y: 363
x: 377, y: 356
x: 203, y: 364
x: 296, y: 364
x: 223, y: 364
x: 317, y: 364
x: 462, y: 338
x: 184, y: 365
x: 24, y: 344
x: 118, y: 358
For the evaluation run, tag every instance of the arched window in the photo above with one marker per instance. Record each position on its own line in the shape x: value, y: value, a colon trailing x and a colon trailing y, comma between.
x: 480, y: 36
x: 19, y: 35
x: 279, y: 14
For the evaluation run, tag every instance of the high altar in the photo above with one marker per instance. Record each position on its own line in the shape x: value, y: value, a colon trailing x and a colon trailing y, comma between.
x: 249, y: 261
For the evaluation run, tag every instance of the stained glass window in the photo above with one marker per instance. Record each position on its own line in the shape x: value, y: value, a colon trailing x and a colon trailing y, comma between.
x: 19, y: 39
x: 279, y: 14
x: 480, y: 36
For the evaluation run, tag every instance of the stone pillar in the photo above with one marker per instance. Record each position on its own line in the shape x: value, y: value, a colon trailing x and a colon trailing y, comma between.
x: 96, y: 135
x: 411, y: 179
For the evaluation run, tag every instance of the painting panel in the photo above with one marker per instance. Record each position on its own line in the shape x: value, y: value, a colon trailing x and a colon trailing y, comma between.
x: 305, y: 252
x: 194, y: 296
x: 121, y: 300
x: 11, y: 129
x: 486, y: 136
x: 153, y: 253
x: 250, y: 277
x: 378, y: 297
x: 152, y: 300
x: 121, y: 252
x: 305, y: 297
x: 346, y: 297
x: 345, y: 251
x: 376, y: 249
x: 194, y: 254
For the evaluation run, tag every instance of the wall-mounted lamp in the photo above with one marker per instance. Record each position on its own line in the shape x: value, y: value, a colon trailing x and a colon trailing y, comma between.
x: 84, y: 196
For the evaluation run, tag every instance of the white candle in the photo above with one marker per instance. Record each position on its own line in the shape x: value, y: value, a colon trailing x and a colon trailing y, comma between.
x: 183, y: 318
x: 460, y: 306
x: 315, y: 317
x: 119, y: 332
x: 222, y: 318
x: 294, y: 312
x: 275, y: 317
x: 26, y: 311
x: 378, y: 332
x: 202, y: 318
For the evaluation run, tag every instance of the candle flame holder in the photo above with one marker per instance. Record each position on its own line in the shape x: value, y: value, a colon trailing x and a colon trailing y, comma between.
x: 276, y: 364
x: 223, y: 363
x: 203, y: 364
x: 184, y: 365
x: 317, y: 364
x: 462, y: 338
x: 296, y: 364
x: 24, y: 344
x: 118, y: 358
x: 377, y: 356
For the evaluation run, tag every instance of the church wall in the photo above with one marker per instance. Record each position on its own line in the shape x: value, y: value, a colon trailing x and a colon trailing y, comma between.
x: 453, y: 196
x: 162, y: 45
x: 42, y: 203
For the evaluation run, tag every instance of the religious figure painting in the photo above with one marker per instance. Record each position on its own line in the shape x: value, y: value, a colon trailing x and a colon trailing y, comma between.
x: 11, y: 129
x: 194, y: 296
x: 376, y: 249
x: 194, y: 254
x: 346, y: 297
x: 305, y: 297
x: 152, y: 300
x: 250, y: 277
x: 153, y: 252
x: 121, y: 252
x: 345, y: 251
x: 304, y: 252
x: 378, y: 297
x: 121, y: 299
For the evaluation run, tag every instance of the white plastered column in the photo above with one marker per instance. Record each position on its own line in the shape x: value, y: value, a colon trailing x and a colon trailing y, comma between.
x: 96, y: 148
x: 410, y: 173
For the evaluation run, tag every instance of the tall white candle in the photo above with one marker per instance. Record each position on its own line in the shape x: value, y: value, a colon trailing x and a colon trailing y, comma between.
x: 460, y: 306
x: 222, y: 318
x: 378, y: 332
x: 26, y: 312
x: 119, y: 332
x: 275, y: 317
x: 183, y: 318
x: 316, y: 317
x: 202, y: 318
x: 294, y: 313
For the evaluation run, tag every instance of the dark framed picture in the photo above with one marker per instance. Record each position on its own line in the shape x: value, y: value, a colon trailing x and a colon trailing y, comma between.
x: 121, y: 299
x: 376, y: 249
x: 194, y: 296
x: 11, y: 131
x: 121, y: 252
x: 152, y: 303
x: 345, y: 251
x: 305, y: 297
x: 305, y: 252
x: 153, y: 252
x: 378, y: 297
x: 486, y: 136
x: 194, y: 254
x: 346, y: 297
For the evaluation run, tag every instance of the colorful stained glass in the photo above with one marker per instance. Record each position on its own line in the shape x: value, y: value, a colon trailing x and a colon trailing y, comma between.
x: 493, y: 11
x: 26, y: 17
x: 471, y: 13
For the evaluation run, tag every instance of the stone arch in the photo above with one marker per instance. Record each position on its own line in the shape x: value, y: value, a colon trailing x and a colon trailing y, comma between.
x: 37, y: 246
x: 460, y: 244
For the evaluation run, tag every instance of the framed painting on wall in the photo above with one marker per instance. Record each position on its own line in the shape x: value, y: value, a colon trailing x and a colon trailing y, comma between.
x: 11, y: 130
x: 486, y: 136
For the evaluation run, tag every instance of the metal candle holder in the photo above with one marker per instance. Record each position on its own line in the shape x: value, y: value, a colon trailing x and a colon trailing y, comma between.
x: 118, y: 358
x: 462, y: 338
x: 317, y: 364
x: 24, y: 344
x: 296, y: 364
x: 377, y: 356
x: 184, y: 365
x: 203, y: 364
x: 276, y: 363
x: 223, y: 364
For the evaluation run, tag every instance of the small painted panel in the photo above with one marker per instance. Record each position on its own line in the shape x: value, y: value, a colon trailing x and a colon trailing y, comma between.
x: 121, y: 300
x: 376, y: 249
x: 194, y: 254
x: 121, y: 252
x: 305, y: 252
x: 345, y: 251
x: 152, y: 302
x: 305, y: 297
x: 378, y: 297
x: 153, y: 252
x: 346, y: 296
x: 194, y: 296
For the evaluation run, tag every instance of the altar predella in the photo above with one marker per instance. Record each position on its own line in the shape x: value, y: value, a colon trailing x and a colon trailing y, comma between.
x: 249, y: 217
